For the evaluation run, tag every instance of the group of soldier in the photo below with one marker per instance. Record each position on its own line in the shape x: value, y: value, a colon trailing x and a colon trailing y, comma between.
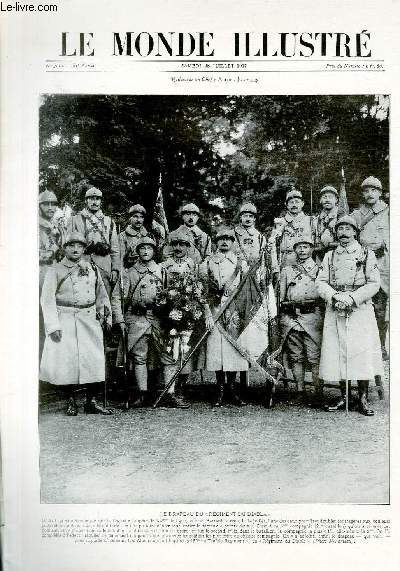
x: 330, y: 273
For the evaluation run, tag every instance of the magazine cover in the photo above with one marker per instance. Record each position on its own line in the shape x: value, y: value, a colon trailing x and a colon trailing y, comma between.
x: 198, y: 229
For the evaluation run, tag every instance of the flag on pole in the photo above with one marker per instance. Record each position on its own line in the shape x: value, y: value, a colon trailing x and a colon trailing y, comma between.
x: 247, y: 319
x: 160, y: 224
x: 343, y: 206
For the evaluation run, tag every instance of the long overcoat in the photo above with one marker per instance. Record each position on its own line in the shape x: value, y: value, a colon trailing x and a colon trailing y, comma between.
x: 220, y: 269
x: 353, y: 351
x: 72, y: 296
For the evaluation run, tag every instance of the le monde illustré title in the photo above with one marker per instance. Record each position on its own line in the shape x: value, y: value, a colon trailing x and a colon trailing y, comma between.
x: 203, y: 44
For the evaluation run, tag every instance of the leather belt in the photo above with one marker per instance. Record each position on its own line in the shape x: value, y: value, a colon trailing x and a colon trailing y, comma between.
x: 75, y: 305
x: 347, y: 287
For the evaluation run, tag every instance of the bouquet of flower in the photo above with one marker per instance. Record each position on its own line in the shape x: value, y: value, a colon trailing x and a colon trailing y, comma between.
x: 181, y: 303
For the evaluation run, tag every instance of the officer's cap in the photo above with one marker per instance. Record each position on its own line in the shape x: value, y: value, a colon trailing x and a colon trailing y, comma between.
x: 226, y: 233
x: 303, y: 240
x: 248, y: 207
x: 328, y: 188
x: 180, y: 236
x: 347, y: 219
x: 371, y: 182
x: 75, y: 237
x: 137, y: 208
x: 293, y: 194
x: 190, y: 208
x: 47, y: 196
x: 93, y: 191
x: 146, y: 240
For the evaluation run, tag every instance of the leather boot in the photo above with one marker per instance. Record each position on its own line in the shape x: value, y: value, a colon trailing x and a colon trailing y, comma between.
x: 139, y: 401
x: 233, y: 389
x: 341, y: 403
x: 220, y: 388
x: 243, y: 383
x: 298, y: 371
x: 180, y: 389
x: 318, y: 396
x: 378, y: 383
x: 173, y: 399
x: 363, y: 404
x: 91, y: 406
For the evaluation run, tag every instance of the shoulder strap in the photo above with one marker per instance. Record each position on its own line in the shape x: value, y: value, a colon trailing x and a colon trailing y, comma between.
x: 64, y: 278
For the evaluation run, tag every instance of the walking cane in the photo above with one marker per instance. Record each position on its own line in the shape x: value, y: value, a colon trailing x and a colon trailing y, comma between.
x: 347, y: 359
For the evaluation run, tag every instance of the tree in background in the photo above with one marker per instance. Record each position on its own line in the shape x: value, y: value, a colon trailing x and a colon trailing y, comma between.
x: 214, y: 150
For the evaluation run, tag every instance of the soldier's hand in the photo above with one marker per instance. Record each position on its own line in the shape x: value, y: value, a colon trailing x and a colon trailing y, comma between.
x: 114, y: 276
x: 209, y: 322
x: 56, y: 336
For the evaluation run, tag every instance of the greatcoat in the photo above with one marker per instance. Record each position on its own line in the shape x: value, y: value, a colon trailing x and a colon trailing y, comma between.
x: 225, y: 271
x: 73, y: 296
x: 355, y: 353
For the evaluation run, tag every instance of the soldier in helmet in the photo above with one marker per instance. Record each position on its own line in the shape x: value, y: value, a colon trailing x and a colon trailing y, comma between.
x: 134, y: 232
x: 296, y: 224
x: 180, y: 264
x: 75, y: 307
x: 201, y: 247
x: 372, y: 218
x: 51, y: 234
x: 347, y: 282
x: 325, y: 222
x: 223, y: 272
x: 301, y: 317
x: 101, y: 237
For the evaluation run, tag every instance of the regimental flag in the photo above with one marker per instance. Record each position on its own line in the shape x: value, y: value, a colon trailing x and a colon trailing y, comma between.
x: 343, y: 205
x: 247, y: 319
x: 160, y: 224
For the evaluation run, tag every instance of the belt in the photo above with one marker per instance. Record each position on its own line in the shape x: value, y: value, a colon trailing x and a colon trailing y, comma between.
x: 75, y: 305
x: 300, y: 308
x: 348, y: 287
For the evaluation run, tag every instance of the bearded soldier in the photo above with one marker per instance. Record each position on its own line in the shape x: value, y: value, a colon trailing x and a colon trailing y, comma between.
x: 301, y: 317
x: 101, y: 237
x: 180, y: 264
x: 296, y: 224
x: 372, y: 218
x: 201, y: 246
x: 348, y: 280
x: 325, y: 238
x: 223, y: 272
x: 134, y: 232
x: 75, y: 306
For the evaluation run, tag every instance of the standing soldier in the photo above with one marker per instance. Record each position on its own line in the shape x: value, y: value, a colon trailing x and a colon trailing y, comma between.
x: 180, y: 264
x: 223, y: 272
x: 134, y: 232
x: 325, y: 222
x: 50, y: 233
x: 348, y: 280
x: 75, y: 306
x: 101, y: 236
x: 301, y: 317
x: 51, y: 236
x: 372, y: 218
x: 296, y: 224
x: 201, y: 247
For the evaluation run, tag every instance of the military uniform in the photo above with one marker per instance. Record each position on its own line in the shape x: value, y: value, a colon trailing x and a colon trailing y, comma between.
x: 101, y: 237
x: 374, y: 233
x: 353, y: 353
x: 128, y: 240
x: 200, y: 247
x: 145, y: 342
x: 73, y: 294
x: 325, y: 239
x: 294, y: 227
x: 249, y: 245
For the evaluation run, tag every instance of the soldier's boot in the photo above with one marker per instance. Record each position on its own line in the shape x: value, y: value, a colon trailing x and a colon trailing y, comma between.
x: 298, y: 374
x: 220, y: 388
x: 363, y: 399
x: 91, y: 405
x: 180, y: 388
x: 139, y: 398
x: 341, y: 403
x: 318, y: 396
x: 234, y: 389
x: 379, y: 384
x: 72, y: 408
x: 173, y: 400
x: 244, y: 383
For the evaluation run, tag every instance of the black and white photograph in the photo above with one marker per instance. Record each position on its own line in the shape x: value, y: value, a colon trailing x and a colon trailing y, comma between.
x: 213, y: 299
